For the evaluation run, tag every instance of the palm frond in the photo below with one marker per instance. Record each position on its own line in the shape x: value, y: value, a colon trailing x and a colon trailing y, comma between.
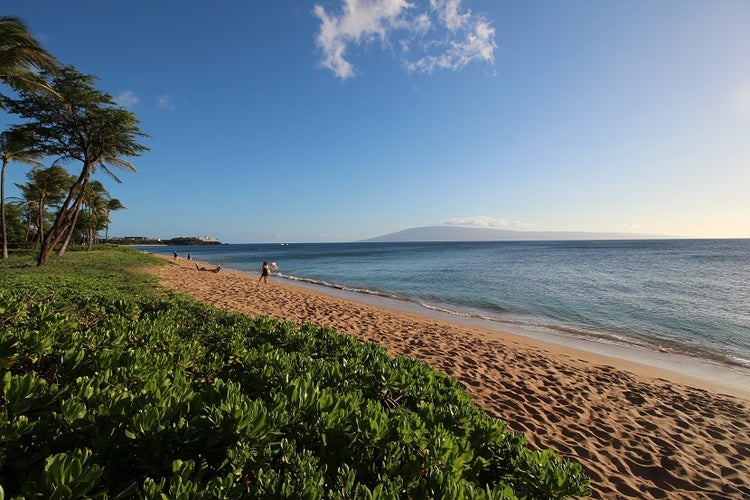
x: 22, y: 57
x: 20, y: 50
x: 116, y: 163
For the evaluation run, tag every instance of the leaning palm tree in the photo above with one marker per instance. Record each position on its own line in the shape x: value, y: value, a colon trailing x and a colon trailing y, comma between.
x: 95, y: 201
x: 112, y: 205
x: 46, y: 188
x: 15, y: 145
x: 21, y: 55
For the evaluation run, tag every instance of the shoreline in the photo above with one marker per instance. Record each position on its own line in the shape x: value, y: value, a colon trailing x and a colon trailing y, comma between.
x: 701, y: 372
x: 638, y: 431
x: 700, y: 359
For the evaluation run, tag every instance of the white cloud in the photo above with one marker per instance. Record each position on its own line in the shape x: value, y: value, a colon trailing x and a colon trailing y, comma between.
x: 360, y: 22
x: 163, y: 102
x: 126, y: 99
x: 483, y: 221
x: 477, y: 44
x: 449, y: 12
x: 436, y: 36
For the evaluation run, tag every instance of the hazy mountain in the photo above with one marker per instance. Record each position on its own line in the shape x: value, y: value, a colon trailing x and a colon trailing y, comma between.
x: 462, y: 233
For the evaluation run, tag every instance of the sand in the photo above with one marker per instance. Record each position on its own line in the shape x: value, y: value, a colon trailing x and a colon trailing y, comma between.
x: 639, y: 432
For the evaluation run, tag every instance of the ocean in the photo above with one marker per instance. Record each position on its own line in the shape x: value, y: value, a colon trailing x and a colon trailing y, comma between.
x: 688, y: 297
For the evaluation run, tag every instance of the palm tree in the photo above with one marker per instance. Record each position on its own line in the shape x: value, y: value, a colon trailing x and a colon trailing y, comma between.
x: 95, y: 200
x: 15, y: 145
x: 21, y: 55
x: 29, y: 206
x: 112, y: 205
x: 45, y: 188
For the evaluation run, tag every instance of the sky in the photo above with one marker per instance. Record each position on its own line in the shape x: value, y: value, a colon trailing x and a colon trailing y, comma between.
x: 341, y: 120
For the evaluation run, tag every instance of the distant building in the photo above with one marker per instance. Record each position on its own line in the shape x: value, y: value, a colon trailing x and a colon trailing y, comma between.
x: 137, y: 238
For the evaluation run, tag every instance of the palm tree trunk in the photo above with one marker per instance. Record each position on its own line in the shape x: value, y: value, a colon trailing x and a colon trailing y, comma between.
x: 29, y: 216
x: 66, y: 219
x: 28, y: 227
x: 2, y: 211
x: 84, y: 178
x: 53, y: 237
x: 58, y: 228
x: 71, y: 230
x: 43, y: 253
x: 39, y: 230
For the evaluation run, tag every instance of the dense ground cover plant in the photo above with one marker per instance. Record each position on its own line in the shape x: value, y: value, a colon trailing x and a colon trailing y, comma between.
x: 114, y: 388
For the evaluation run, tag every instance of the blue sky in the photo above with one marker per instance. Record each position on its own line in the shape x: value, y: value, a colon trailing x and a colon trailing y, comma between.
x: 293, y: 120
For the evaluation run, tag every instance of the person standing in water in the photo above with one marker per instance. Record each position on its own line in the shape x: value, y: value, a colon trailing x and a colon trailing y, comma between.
x: 264, y: 272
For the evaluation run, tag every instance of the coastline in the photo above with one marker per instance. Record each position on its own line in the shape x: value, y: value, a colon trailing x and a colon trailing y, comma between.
x: 638, y: 430
x: 697, y: 372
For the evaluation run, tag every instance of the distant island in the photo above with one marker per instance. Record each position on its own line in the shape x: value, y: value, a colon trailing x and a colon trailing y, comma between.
x: 182, y: 240
x: 463, y: 233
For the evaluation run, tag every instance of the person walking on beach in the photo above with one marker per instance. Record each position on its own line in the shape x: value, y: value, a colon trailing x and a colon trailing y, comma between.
x: 174, y: 255
x: 264, y: 272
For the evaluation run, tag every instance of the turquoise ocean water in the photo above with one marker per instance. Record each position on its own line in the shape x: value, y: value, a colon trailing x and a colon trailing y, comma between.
x: 689, y: 297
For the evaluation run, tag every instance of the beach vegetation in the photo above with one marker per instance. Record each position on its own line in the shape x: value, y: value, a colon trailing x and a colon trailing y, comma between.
x: 113, y: 387
x: 46, y: 188
x: 76, y: 123
x: 21, y: 56
x: 15, y: 223
x: 15, y: 145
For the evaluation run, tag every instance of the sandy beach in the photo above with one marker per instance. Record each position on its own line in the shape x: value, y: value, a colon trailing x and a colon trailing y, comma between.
x: 639, y: 432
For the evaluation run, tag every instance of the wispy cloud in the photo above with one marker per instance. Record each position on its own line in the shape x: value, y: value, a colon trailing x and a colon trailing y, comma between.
x: 127, y: 99
x: 163, y: 102
x: 484, y: 221
x: 434, y: 34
